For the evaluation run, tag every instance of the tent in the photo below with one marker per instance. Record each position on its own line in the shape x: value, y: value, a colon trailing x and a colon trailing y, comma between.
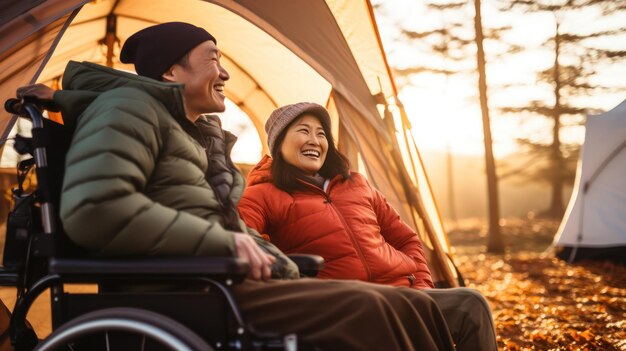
x: 277, y: 52
x: 594, y: 225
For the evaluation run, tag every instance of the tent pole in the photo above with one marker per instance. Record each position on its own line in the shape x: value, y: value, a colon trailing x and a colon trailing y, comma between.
x: 382, y: 50
x: 66, y: 23
x: 110, y: 38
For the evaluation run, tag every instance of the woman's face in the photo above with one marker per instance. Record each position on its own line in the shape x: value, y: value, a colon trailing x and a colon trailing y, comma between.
x: 305, y: 144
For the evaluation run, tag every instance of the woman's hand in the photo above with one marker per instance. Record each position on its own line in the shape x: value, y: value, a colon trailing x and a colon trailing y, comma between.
x: 260, y: 262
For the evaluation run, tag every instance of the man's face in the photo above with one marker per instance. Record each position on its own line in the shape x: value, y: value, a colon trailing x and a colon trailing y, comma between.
x: 204, y: 80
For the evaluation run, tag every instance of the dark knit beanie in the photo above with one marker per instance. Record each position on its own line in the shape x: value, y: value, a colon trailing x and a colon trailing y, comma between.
x: 283, y: 116
x: 155, y: 49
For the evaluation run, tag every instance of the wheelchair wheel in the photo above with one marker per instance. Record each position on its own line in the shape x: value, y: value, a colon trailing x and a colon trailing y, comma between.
x: 123, y: 329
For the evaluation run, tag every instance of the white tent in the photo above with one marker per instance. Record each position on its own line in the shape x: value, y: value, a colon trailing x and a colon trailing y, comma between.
x: 594, y: 225
x: 277, y: 52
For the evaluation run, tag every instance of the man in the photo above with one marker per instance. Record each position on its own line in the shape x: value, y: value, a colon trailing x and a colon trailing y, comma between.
x: 148, y: 174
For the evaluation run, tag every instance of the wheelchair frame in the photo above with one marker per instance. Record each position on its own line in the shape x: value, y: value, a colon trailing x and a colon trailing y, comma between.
x: 47, y: 260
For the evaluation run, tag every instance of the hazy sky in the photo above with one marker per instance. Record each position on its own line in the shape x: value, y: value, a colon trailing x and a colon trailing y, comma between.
x: 445, y: 111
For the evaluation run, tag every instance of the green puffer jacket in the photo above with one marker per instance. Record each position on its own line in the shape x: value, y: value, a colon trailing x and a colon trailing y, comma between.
x: 135, y: 181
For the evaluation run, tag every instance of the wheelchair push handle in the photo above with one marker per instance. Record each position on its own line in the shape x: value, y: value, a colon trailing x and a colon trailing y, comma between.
x: 18, y: 106
x: 31, y: 107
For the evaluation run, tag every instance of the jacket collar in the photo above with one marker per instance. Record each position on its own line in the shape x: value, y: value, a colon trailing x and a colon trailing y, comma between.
x: 88, y: 80
x: 262, y: 173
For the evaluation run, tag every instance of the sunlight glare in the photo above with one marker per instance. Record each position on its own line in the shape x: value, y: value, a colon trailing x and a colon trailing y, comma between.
x: 248, y: 148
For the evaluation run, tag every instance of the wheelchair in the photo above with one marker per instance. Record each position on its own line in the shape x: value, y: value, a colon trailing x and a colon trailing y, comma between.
x: 142, y: 303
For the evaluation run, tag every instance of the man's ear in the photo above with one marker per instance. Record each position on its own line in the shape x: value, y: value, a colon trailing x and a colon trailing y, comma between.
x: 169, y: 75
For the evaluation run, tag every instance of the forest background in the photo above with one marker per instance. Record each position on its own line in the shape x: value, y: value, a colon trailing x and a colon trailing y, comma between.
x: 501, y: 144
x: 548, y: 65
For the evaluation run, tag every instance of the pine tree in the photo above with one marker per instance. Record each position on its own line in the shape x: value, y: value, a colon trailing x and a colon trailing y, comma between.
x: 571, y: 74
x: 453, y: 42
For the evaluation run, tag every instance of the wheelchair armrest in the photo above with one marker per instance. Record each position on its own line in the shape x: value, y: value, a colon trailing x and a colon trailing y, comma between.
x: 309, y: 265
x: 219, y: 267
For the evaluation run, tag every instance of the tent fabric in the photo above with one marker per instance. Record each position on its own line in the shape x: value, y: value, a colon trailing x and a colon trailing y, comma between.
x: 596, y: 214
x: 21, y: 64
x: 323, y: 47
x: 278, y: 52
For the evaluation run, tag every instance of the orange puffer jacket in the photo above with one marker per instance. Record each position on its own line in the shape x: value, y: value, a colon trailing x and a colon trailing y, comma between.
x: 350, y: 224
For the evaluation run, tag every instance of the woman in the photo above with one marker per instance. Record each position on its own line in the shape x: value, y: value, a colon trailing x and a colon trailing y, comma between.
x: 305, y: 200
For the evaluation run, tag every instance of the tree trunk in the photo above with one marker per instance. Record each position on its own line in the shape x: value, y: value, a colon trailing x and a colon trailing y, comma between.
x: 450, y: 179
x: 556, y: 208
x: 495, y: 243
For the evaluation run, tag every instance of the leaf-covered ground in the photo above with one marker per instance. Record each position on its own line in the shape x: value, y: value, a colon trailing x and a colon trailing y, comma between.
x: 540, y: 302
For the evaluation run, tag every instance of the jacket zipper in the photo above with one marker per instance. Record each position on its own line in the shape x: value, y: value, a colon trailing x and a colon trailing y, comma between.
x: 354, y: 241
x: 230, y: 222
x: 347, y: 228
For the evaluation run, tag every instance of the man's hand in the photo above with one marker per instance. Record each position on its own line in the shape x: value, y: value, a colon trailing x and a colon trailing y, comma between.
x: 40, y: 91
x: 260, y: 262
